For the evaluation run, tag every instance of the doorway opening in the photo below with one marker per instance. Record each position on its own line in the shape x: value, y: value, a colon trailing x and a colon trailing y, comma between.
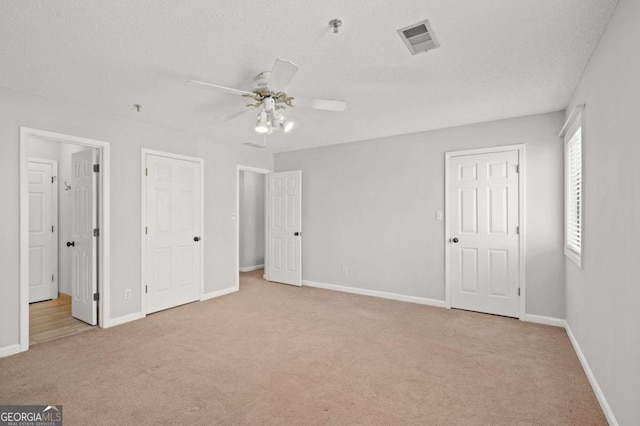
x: 282, y: 226
x: 251, y: 220
x: 64, y: 235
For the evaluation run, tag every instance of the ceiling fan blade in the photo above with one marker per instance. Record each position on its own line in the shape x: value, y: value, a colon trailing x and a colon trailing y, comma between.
x: 322, y: 104
x: 232, y: 114
x: 281, y: 75
x: 226, y: 89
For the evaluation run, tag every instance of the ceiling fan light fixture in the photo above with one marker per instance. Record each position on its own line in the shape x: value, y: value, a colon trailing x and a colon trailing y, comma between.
x: 263, y: 129
x: 263, y: 125
x: 288, y: 125
x: 276, y: 120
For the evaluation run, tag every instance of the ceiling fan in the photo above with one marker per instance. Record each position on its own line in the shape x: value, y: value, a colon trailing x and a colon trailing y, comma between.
x: 270, y: 97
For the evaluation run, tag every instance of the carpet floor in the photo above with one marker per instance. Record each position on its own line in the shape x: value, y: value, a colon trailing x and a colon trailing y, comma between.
x: 276, y: 354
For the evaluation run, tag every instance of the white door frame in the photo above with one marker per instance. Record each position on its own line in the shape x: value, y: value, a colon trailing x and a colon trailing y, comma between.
x: 520, y: 148
x: 54, y: 214
x: 265, y: 172
x: 143, y: 208
x: 104, y: 223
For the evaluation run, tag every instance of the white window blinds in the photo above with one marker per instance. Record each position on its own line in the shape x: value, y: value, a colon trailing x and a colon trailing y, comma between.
x: 573, y: 187
x: 574, y: 193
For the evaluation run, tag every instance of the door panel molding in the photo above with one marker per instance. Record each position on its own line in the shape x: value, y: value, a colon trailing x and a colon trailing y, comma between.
x: 144, y: 273
x: 104, y: 220
x: 520, y: 149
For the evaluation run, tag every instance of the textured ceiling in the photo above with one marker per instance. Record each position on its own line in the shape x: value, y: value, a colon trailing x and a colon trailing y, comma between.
x: 498, y: 59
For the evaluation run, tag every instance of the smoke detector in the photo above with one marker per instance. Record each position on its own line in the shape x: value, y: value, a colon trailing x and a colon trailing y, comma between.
x: 418, y: 37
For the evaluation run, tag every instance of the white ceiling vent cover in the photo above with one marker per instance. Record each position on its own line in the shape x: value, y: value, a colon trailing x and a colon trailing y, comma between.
x: 418, y: 37
x: 262, y: 144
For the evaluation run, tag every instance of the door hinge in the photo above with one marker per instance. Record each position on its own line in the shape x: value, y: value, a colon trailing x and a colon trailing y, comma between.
x: 146, y: 230
x: 53, y: 179
x: 146, y: 289
x: 96, y: 232
x: 52, y: 278
x: 517, y: 168
x: 51, y: 228
x: 518, y: 230
x: 96, y: 168
x: 96, y: 296
x: 146, y: 171
x: 518, y: 291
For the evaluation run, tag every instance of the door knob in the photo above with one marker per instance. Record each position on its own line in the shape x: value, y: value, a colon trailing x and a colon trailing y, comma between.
x: 455, y: 240
x: 296, y: 233
x: 71, y: 243
x: 196, y: 239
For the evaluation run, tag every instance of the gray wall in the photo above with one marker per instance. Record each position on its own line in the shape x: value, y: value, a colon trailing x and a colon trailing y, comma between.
x: 127, y: 136
x: 60, y: 152
x: 371, y: 207
x: 603, y: 297
x: 252, y: 193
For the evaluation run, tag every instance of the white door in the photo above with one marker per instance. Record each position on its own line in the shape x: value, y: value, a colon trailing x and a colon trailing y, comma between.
x: 43, y: 244
x: 484, y: 233
x: 83, y: 243
x: 173, y: 231
x: 284, y: 248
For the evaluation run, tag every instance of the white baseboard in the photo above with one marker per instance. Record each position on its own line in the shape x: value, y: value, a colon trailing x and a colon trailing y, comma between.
x: 251, y: 268
x: 9, y: 350
x: 112, y: 322
x: 540, y: 319
x: 139, y: 315
x: 376, y: 293
x: 219, y: 293
x: 608, y: 413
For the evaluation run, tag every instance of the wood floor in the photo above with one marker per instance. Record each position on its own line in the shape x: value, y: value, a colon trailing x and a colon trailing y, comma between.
x: 52, y: 319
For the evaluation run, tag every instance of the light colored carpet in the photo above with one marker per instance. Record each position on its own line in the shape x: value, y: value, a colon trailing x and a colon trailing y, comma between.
x: 275, y: 354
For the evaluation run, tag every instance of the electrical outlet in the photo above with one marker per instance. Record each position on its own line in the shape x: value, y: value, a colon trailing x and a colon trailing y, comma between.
x: 127, y: 293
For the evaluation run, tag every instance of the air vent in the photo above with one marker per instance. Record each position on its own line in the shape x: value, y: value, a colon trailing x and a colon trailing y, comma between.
x: 418, y: 37
x: 257, y: 144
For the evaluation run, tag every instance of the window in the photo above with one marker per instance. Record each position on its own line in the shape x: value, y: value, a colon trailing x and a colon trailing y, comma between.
x: 573, y: 190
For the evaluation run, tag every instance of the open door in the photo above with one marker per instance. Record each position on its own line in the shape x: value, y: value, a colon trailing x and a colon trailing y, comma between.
x: 84, y: 277
x: 484, y: 230
x: 284, y: 229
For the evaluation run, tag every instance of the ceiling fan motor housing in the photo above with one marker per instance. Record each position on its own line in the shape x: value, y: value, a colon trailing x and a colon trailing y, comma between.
x: 261, y: 80
x: 269, y: 103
